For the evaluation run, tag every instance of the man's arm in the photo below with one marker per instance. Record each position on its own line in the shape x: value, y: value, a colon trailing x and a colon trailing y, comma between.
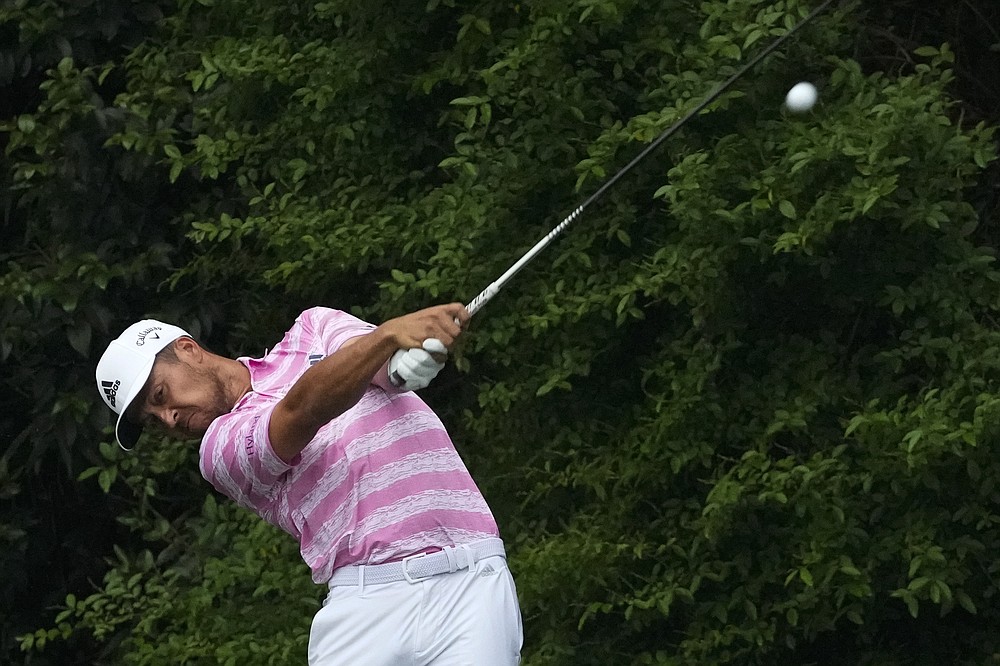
x: 336, y: 383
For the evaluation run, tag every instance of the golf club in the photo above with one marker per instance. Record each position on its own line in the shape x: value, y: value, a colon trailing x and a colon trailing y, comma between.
x: 489, y: 292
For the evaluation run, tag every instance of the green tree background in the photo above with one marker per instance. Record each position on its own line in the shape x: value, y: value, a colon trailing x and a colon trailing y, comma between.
x: 745, y: 412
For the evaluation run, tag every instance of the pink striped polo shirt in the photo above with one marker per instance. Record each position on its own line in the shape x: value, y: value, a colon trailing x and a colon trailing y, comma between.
x: 379, y: 482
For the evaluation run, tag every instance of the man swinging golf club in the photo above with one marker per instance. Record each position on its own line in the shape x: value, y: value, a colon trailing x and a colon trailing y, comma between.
x: 324, y: 438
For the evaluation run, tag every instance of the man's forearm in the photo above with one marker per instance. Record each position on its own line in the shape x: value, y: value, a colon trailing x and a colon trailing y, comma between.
x: 336, y: 383
x: 327, y: 390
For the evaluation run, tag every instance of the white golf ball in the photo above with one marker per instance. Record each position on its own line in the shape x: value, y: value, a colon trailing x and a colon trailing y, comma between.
x: 802, y: 97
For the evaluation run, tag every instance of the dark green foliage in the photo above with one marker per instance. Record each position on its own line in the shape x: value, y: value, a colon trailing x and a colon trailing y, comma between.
x: 744, y: 412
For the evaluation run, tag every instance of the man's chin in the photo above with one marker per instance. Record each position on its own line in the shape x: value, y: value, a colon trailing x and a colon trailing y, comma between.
x: 195, y: 433
x: 185, y: 433
x: 196, y: 428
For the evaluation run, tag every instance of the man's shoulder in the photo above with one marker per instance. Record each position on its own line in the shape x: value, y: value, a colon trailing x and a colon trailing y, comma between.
x: 319, y: 314
x: 321, y: 317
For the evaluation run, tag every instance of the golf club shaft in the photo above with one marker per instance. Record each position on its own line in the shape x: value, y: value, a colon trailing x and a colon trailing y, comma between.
x: 487, y: 294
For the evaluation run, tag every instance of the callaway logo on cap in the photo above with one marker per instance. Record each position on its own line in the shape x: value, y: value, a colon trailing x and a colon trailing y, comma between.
x: 125, y: 367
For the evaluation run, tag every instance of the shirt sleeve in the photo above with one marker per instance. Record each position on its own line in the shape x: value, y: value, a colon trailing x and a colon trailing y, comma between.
x: 333, y: 327
x: 237, y: 458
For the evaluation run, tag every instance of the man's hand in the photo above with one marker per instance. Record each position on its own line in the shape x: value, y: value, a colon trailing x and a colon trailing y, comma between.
x: 413, y: 369
x: 433, y: 330
x: 441, y: 322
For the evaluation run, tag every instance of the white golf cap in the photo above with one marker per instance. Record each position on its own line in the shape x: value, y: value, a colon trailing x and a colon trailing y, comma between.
x: 125, y: 367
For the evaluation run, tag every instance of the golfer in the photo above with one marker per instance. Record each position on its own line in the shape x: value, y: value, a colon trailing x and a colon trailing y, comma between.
x: 324, y: 438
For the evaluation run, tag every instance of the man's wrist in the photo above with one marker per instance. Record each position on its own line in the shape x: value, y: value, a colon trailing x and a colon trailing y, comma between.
x: 385, y: 339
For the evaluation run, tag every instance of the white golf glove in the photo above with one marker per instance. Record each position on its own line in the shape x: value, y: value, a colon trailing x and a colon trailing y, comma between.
x: 413, y: 369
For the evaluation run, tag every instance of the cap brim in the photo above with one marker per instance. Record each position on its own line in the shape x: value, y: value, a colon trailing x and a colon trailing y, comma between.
x: 127, y: 432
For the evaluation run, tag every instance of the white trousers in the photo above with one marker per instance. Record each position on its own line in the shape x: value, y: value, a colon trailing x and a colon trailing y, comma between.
x: 454, y: 619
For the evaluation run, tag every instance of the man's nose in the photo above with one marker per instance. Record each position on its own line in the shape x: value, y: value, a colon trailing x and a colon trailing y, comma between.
x: 169, y: 417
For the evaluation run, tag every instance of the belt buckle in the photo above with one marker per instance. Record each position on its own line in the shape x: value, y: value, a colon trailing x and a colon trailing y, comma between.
x: 406, y: 574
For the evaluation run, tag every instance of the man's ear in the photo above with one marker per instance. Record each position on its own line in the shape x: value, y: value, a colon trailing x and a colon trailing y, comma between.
x: 187, y: 349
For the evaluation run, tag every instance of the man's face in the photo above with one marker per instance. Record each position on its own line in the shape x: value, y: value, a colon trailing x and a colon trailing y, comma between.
x: 183, y: 397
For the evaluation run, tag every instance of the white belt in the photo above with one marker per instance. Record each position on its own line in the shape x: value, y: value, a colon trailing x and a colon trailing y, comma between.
x: 416, y: 568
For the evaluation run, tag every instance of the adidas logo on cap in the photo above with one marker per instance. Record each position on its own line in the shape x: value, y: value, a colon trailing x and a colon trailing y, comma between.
x: 111, y: 390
